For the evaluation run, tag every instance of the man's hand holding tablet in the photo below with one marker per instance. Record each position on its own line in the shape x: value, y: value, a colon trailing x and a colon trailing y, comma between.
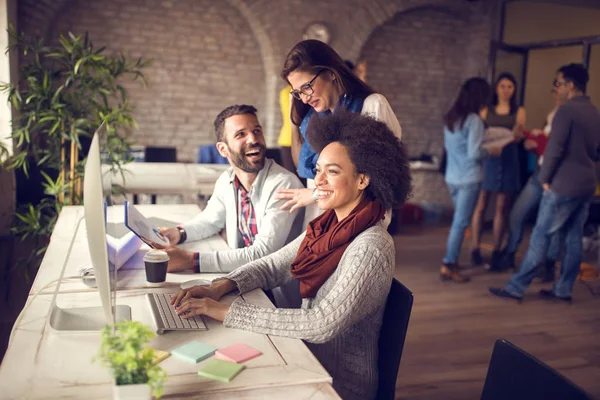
x: 138, y: 224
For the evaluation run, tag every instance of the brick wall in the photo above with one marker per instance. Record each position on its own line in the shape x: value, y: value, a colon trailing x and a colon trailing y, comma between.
x: 209, y: 54
x: 204, y: 60
x: 418, y: 60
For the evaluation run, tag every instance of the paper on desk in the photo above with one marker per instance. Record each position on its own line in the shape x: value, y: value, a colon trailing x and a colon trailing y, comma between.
x: 119, y: 252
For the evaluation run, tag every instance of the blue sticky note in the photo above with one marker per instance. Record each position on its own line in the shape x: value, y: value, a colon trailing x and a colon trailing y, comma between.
x: 193, y: 352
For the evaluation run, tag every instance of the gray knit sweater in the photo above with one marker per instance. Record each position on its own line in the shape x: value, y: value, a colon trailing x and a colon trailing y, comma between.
x: 341, y: 323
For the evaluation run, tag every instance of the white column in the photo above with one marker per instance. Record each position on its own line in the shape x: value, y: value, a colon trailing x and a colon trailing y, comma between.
x: 8, y: 68
x: 8, y: 73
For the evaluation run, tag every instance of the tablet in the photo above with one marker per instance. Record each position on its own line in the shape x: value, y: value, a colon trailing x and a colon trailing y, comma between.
x: 138, y: 224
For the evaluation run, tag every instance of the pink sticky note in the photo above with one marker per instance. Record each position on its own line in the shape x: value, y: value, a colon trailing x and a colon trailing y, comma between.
x: 237, y: 353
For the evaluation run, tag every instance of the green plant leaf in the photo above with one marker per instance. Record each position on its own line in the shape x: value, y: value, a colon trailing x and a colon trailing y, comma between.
x: 65, y: 91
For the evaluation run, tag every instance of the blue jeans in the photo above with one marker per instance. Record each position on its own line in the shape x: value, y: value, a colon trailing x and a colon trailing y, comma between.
x: 556, y: 213
x: 528, y: 200
x: 464, y: 198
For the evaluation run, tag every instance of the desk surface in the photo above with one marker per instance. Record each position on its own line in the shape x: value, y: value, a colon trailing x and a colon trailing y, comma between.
x: 43, y: 363
x: 129, y: 275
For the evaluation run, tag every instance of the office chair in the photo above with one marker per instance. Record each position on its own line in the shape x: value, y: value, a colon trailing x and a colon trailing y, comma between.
x: 158, y: 154
x: 275, y: 155
x: 391, y: 338
x: 516, y: 375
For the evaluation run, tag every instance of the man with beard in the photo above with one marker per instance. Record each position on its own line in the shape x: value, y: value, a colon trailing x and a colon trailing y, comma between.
x: 568, y: 177
x: 243, y: 201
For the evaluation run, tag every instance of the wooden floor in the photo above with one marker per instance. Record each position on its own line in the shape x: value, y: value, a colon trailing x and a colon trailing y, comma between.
x: 453, y: 327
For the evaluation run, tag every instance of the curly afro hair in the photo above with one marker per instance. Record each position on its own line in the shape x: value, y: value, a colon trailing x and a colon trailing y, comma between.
x: 373, y: 149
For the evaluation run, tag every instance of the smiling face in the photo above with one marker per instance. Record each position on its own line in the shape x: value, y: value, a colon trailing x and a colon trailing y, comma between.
x: 338, y: 184
x: 244, y: 144
x: 505, y: 89
x: 325, y: 92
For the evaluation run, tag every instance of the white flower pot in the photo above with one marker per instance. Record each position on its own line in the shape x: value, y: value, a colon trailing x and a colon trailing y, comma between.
x: 132, y: 392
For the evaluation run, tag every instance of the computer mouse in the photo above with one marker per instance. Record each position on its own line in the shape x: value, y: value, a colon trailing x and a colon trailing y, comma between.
x: 195, y: 282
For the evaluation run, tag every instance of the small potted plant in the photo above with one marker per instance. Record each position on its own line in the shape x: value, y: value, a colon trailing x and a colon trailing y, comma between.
x: 131, y: 362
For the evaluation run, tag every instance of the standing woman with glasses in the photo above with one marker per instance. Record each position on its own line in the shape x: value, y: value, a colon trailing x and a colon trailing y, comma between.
x: 502, y: 175
x: 322, y: 83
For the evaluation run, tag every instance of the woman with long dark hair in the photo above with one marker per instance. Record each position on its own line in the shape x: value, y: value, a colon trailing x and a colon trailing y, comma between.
x: 463, y: 136
x: 344, y: 261
x: 502, y: 175
x: 322, y: 83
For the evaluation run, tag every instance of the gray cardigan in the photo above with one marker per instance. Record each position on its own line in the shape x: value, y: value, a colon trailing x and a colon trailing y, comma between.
x: 341, y: 323
x: 573, y: 149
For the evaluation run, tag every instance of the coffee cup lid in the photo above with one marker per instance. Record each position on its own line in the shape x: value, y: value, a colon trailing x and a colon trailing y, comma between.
x: 155, y: 255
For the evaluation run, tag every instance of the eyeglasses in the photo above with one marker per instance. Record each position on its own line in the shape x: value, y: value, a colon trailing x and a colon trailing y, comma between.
x: 306, y: 89
x: 558, y: 83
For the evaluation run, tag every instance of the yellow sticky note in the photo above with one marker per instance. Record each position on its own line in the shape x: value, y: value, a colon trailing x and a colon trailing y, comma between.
x: 159, y: 355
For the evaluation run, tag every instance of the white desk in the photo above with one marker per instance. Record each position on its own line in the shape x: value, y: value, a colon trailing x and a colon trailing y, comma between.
x: 132, y: 274
x: 43, y: 363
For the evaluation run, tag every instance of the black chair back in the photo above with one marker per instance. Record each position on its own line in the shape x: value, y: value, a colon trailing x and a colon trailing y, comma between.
x: 391, y: 339
x: 275, y: 155
x: 160, y: 154
x: 516, y: 375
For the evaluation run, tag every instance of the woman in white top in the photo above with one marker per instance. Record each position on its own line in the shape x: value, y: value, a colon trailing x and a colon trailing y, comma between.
x: 322, y: 83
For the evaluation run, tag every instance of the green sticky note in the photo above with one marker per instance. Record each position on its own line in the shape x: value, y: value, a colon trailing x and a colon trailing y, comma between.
x: 193, y: 352
x: 220, y: 370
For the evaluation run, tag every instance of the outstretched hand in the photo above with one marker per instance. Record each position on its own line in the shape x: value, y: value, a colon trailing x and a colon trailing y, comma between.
x: 171, y: 233
x: 297, y: 198
x: 530, y: 144
x: 518, y: 134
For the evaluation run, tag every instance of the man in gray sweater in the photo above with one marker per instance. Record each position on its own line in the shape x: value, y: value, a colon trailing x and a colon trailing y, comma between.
x: 568, y: 177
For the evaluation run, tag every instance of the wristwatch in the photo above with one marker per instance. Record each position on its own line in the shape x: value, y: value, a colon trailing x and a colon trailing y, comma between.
x: 182, y: 234
x: 315, y: 195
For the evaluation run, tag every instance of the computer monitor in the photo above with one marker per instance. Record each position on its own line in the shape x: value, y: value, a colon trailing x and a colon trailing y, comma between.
x: 94, y: 190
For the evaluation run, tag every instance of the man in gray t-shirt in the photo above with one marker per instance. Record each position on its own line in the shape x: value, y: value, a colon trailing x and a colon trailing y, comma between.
x: 568, y: 176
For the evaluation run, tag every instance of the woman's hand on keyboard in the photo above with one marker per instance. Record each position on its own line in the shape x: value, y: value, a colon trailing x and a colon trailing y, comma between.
x: 215, y: 291
x: 211, y: 308
x: 198, y: 292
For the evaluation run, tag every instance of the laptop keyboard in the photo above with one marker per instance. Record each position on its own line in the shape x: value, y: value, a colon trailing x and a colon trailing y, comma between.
x: 167, y: 318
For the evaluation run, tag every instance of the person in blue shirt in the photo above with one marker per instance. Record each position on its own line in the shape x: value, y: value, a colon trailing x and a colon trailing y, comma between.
x: 463, y: 137
x: 321, y: 82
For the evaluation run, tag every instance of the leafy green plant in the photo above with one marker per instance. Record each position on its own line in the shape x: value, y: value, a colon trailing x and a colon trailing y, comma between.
x: 124, y: 351
x: 64, y: 93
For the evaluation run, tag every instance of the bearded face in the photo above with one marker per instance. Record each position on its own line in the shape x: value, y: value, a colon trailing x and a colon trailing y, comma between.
x: 251, y: 158
x: 243, y: 143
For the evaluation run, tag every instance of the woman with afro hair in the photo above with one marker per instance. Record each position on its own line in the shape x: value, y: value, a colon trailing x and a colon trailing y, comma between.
x: 344, y: 261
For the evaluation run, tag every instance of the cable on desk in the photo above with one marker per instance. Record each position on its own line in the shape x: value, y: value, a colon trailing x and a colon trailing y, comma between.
x: 29, y: 301
x: 59, y: 280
